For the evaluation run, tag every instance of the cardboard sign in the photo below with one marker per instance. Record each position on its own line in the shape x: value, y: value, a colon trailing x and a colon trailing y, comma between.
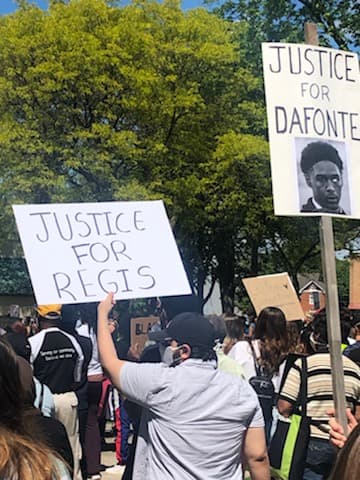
x: 140, y: 327
x: 79, y: 252
x: 274, y: 291
x: 313, y: 109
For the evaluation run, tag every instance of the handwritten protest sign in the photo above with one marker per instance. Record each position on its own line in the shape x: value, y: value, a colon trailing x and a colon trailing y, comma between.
x: 78, y: 252
x: 140, y: 327
x: 313, y: 107
x: 274, y: 291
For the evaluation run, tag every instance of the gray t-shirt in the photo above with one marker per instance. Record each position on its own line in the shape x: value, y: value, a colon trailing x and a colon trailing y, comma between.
x: 197, y: 417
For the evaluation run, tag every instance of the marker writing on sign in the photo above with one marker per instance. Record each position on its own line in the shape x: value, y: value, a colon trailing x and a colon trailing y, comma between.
x: 99, y: 252
x: 83, y: 224
x: 317, y: 121
x: 314, y: 66
x: 314, y: 61
x: 122, y: 280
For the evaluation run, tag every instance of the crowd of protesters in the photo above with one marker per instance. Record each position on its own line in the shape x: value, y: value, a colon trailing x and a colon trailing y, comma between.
x: 188, y: 399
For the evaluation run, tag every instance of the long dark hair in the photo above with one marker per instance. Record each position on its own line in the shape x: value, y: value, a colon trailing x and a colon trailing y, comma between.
x: 235, y: 328
x: 21, y: 454
x: 12, y: 397
x: 271, y: 331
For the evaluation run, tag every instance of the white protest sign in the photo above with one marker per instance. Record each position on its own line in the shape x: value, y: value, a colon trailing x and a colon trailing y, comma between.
x: 313, y: 108
x: 78, y: 252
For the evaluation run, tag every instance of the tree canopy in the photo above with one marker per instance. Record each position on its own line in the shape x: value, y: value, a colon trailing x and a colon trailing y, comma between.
x: 99, y: 102
x: 103, y: 102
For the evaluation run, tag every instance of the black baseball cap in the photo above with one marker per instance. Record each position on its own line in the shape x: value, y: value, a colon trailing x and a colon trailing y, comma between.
x: 190, y: 328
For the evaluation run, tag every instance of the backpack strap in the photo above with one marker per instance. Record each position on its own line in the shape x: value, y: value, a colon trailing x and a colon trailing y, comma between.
x: 301, y: 400
x: 303, y: 386
x: 256, y: 365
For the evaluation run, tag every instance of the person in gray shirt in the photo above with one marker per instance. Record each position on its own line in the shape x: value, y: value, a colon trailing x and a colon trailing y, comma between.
x: 203, y: 424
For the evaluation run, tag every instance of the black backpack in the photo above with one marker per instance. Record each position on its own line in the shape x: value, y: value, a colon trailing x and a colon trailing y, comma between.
x: 264, y: 387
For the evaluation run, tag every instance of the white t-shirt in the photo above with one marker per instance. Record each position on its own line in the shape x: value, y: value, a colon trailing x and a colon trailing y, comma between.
x: 241, y: 352
x: 94, y: 367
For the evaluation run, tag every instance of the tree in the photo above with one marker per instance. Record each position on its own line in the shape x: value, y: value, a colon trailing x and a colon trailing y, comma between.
x: 238, y: 202
x: 283, y: 21
x: 14, y: 277
x: 292, y: 244
x: 96, y: 99
x: 103, y: 103
x: 342, y: 270
x: 261, y: 21
x: 100, y: 102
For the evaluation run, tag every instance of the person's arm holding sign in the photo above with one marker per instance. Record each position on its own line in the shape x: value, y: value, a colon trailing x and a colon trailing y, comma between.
x: 108, y: 356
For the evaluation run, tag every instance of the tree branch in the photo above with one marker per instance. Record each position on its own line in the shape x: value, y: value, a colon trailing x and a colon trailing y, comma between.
x: 212, y: 286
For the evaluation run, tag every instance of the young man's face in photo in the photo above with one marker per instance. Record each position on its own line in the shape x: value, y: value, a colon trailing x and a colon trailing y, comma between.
x: 325, y: 180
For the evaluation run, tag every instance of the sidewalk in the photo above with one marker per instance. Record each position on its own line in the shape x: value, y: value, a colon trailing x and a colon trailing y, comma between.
x: 108, y: 457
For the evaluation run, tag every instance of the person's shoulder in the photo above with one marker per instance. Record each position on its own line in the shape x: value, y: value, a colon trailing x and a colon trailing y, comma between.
x: 235, y: 390
x: 353, y: 352
x: 241, y: 346
x: 36, y: 335
x: 321, y: 358
x: 231, y: 378
x: 351, y: 348
x: 145, y: 368
x: 37, y: 338
x: 349, y: 363
x: 229, y: 370
x: 138, y: 380
x: 308, y: 206
x: 229, y: 365
x: 51, y: 426
x: 355, y: 356
x: 83, y: 330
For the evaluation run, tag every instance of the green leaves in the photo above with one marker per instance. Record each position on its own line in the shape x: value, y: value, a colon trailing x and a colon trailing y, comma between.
x: 99, y: 102
x: 102, y: 102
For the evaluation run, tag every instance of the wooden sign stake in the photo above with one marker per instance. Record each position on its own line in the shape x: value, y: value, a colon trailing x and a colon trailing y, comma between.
x: 332, y: 302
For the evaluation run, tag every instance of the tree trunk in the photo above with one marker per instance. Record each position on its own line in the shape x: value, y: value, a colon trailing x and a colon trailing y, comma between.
x: 226, y: 274
x: 295, y: 281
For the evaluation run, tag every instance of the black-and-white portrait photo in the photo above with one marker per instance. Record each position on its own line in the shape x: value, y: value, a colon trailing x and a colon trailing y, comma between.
x: 323, y: 176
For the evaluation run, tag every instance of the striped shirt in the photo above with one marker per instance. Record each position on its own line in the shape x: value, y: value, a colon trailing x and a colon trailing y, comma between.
x: 320, y: 391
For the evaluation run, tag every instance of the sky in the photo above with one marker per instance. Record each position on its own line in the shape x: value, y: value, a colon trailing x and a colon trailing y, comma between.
x: 8, y: 6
